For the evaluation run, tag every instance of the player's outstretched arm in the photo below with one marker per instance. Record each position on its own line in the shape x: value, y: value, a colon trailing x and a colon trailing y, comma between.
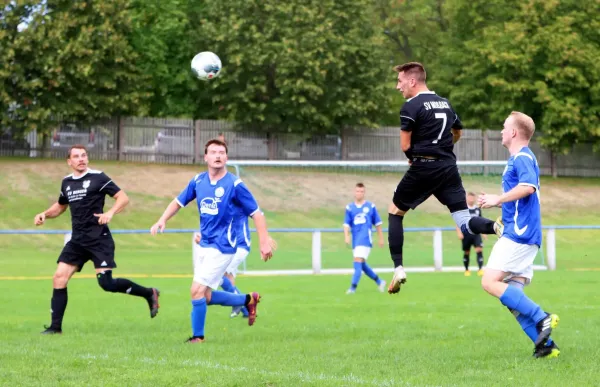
x: 519, y: 192
x: 169, y: 212
x: 266, y: 248
x: 54, y: 211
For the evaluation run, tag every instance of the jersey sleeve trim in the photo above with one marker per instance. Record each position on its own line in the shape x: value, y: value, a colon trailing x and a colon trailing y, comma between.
x: 529, y: 185
x: 346, y: 225
x: 238, y: 181
x: 379, y: 223
x: 255, y: 211
x: 178, y: 202
x: 110, y: 181
x: 410, y: 118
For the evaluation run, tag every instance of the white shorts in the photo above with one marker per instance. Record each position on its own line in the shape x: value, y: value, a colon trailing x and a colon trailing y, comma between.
x: 361, y: 252
x: 513, y: 258
x: 209, y: 265
x: 238, y: 258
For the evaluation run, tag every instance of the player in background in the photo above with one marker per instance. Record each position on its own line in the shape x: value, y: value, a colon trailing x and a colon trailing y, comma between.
x: 219, y: 196
x: 510, y: 266
x: 469, y: 240
x: 83, y: 192
x: 429, y: 129
x: 361, y: 216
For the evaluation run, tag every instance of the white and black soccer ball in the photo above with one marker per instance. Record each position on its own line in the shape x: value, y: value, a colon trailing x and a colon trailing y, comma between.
x: 206, y: 65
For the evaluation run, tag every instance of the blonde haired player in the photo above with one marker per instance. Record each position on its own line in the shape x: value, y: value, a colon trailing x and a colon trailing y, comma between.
x: 510, y: 266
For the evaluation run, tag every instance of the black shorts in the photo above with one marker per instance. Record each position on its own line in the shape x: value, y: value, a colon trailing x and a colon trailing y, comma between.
x: 424, y: 178
x: 471, y: 240
x: 101, y: 253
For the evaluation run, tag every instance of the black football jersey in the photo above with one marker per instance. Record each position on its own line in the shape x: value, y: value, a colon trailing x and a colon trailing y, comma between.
x: 85, y: 197
x: 430, y: 118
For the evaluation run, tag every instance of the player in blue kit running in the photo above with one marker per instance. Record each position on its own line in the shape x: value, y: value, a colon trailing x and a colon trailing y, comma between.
x: 510, y: 266
x: 361, y: 216
x: 220, y: 196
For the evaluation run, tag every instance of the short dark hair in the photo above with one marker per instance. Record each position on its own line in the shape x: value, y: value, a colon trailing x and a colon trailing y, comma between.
x: 415, y: 69
x: 215, y: 141
x: 360, y: 185
x: 76, y: 146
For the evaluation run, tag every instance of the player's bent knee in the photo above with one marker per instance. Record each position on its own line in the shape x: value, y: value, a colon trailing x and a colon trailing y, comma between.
x: 107, y: 282
x: 198, y: 291
x: 392, y: 209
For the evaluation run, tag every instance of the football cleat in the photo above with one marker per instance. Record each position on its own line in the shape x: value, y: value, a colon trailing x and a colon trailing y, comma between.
x: 467, y: 273
x: 480, y: 273
x: 235, y: 311
x: 548, y: 351
x: 545, y: 328
x: 499, y: 227
x: 382, y: 285
x: 49, y: 330
x: 153, y: 302
x: 252, y: 305
x: 350, y: 291
x: 194, y: 340
x: 397, y: 281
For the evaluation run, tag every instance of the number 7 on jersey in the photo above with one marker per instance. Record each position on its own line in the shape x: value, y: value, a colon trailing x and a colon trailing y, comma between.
x: 444, y: 117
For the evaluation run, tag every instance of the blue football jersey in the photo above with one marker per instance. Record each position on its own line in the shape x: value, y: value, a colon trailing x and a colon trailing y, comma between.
x: 522, y: 218
x: 361, y: 220
x: 218, y: 204
x: 242, y: 231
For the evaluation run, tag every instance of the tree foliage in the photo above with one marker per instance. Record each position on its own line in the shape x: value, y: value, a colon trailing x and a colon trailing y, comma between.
x: 539, y: 58
x: 65, y: 59
x: 311, y: 66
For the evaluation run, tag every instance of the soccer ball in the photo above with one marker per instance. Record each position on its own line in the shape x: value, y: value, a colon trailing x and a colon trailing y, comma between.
x: 206, y: 65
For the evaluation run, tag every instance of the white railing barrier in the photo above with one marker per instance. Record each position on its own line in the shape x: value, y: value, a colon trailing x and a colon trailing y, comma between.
x: 438, y: 255
x: 316, y: 257
x: 551, y: 249
x: 316, y: 252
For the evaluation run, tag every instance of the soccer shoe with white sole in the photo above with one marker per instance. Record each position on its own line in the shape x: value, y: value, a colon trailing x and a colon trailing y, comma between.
x: 382, y: 286
x: 545, y: 328
x: 499, y: 227
x: 547, y: 351
x: 397, y: 281
x: 350, y: 291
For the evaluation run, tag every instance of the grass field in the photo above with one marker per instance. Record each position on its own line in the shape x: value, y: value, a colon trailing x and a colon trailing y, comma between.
x: 441, y: 330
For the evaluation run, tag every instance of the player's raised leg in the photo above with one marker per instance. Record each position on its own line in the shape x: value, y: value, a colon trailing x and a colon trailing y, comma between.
x: 126, y: 286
